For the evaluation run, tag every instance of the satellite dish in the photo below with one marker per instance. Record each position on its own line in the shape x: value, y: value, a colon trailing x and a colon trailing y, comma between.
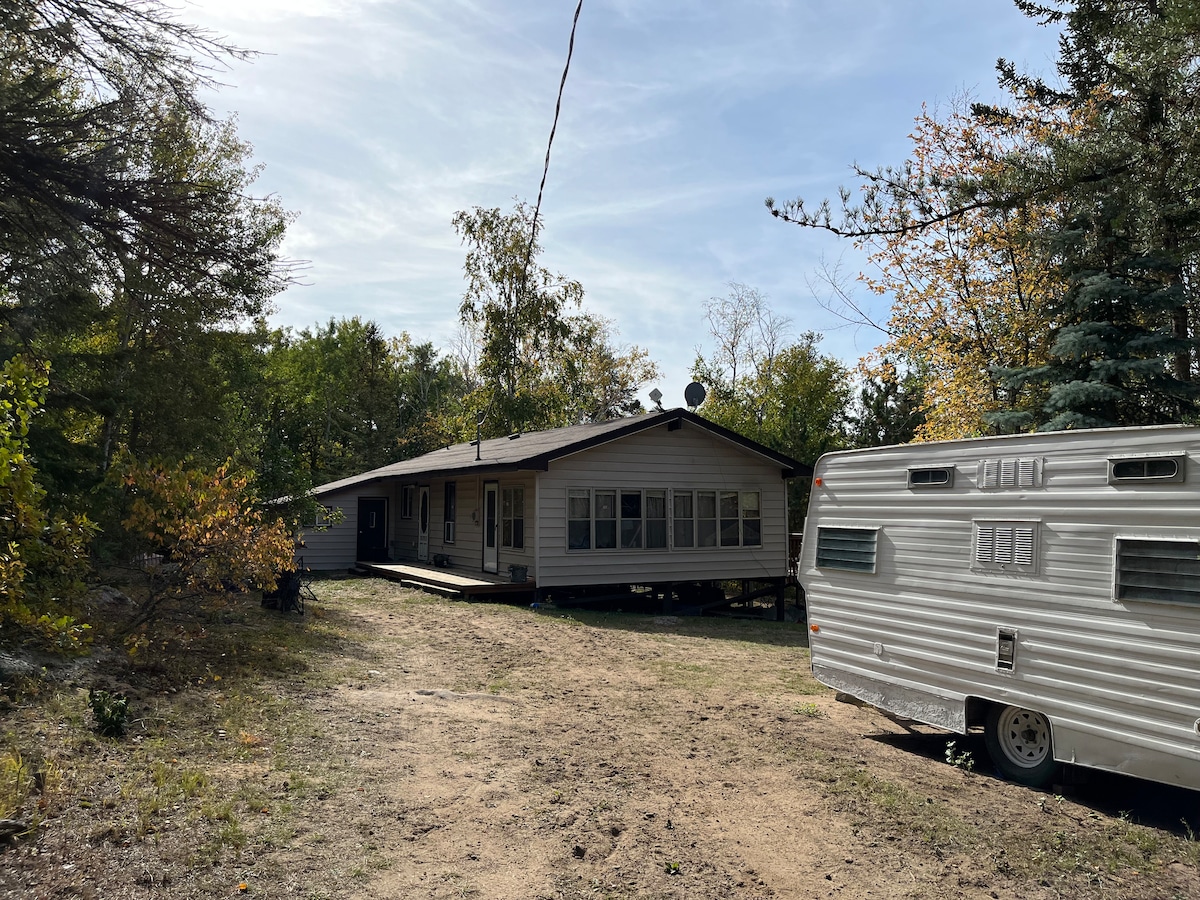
x: 693, y: 394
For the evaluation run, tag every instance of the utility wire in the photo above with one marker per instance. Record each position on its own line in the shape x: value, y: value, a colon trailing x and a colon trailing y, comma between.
x: 550, y: 143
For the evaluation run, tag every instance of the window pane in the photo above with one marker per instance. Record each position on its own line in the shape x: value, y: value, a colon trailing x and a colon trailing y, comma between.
x: 684, y: 533
x: 729, y: 504
x: 631, y: 534
x: 518, y: 502
x: 656, y: 534
x: 750, y: 505
x: 506, y: 503
x: 518, y: 528
x: 579, y: 535
x: 606, y: 534
x: 729, y: 532
x: 706, y: 533
x: 683, y: 504
x: 706, y: 504
x: 656, y: 504
x: 606, y: 505
x: 751, y: 532
x: 579, y: 505
x: 631, y: 504
x: 506, y: 533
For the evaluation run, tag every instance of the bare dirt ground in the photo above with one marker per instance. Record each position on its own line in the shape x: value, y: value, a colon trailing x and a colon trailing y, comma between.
x: 492, y: 751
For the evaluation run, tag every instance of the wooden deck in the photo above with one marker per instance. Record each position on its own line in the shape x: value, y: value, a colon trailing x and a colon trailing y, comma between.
x: 454, y: 583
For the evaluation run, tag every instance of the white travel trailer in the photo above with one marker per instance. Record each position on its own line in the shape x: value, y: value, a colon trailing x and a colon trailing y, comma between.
x: 1044, y: 586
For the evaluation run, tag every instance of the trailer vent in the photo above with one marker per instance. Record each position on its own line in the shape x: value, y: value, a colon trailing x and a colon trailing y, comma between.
x: 1158, y: 570
x: 1006, y: 546
x: 1006, y: 649
x: 846, y: 548
x: 1001, y: 474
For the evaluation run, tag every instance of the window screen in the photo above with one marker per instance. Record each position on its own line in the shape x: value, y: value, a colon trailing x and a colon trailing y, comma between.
x: 846, y: 548
x: 1158, y: 570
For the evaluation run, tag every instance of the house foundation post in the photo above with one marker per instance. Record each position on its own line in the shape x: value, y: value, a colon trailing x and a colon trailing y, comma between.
x: 780, y: 587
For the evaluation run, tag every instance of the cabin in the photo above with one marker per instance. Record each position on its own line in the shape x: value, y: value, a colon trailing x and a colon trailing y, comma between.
x: 666, y: 499
x: 1042, y: 587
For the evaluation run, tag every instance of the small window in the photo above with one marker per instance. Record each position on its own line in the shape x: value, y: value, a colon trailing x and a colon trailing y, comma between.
x: 451, y: 511
x: 318, y: 519
x: 846, y: 548
x: 406, y: 501
x: 631, y: 520
x: 579, y: 520
x: 606, y: 520
x: 1146, y: 469
x: 730, y: 526
x: 751, y: 519
x: 512, y: 518
x: 706, y: 518
x: 656, y: 520
x: 683, y: 519
x: 1167, y: 571
x: 936, y: 477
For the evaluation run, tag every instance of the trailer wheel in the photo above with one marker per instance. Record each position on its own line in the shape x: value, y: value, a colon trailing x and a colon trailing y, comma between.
x: 1020, y: 744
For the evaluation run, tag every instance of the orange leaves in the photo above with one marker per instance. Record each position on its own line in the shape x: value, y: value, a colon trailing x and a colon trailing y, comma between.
x: 206, y: 524
x: 969, y: 292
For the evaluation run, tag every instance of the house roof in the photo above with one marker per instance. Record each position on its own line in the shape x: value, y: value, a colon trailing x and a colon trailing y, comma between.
x: 535, y: 450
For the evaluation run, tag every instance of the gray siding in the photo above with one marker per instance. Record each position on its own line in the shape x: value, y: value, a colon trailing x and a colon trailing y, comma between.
x: 687, y: 458
x: 1120, y: 680
x: 336, y: 547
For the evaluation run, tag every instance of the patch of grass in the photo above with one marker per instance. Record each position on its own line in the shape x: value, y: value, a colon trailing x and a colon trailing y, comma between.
x: 696, y: 676
x: 811, y: 710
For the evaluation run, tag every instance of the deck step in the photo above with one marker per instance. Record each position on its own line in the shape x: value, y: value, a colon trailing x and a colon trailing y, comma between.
x: 440, y: 590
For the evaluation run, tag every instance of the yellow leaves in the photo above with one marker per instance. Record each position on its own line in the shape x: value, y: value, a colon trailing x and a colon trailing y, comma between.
x: 968, y: 294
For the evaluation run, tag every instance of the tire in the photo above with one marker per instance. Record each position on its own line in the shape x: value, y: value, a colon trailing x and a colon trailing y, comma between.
x: 1021, y: 745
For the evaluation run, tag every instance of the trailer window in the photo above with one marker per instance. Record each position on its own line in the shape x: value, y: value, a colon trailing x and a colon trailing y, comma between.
x: 1158, y: 570
x: 938, y: 477
x: 846, y: 548
x: 1146, y: 469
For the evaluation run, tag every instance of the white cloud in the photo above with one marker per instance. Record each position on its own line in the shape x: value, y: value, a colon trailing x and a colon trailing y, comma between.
x: 378, y: 119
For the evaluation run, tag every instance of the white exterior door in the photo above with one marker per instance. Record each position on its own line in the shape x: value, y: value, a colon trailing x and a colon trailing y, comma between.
x: 423, y: 524
x: 491, y: 526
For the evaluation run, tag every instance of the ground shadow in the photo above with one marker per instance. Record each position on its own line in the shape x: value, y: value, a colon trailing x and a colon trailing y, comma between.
x: 758, y: 631
x: 1161, y: 806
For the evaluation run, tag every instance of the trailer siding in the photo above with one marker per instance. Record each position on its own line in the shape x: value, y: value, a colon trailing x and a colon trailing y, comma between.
x: 1119, y: 680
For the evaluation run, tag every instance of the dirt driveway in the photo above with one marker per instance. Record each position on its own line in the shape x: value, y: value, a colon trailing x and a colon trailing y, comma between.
x: 500, y: 752
x: 394, y: 745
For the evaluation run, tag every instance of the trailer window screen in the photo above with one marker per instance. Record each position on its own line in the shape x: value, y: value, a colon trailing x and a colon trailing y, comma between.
x: 937, y: 477
x: 1006, y: 546
x: 846, y: 548
x: 1158, y: 570
x: 1146, y: 469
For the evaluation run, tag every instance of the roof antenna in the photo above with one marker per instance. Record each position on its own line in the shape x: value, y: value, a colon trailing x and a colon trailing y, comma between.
x: 480, y: 417
x: 655, y: 398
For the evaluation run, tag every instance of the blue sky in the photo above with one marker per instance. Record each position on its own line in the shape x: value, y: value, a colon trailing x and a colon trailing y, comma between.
x: 375, y: 120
